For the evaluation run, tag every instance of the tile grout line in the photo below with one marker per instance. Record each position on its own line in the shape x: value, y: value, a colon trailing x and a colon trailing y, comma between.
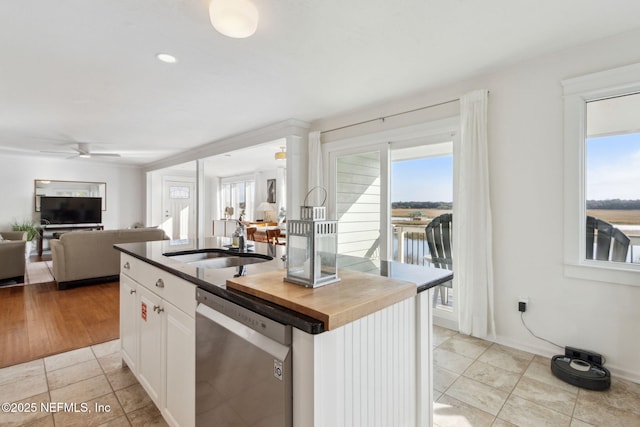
x: 110, y: 385
x: 575, y: 397
x: 513, y: 388
x: 103, y: 373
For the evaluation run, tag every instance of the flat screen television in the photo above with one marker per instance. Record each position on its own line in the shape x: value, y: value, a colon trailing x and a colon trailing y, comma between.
x: 70, y: 210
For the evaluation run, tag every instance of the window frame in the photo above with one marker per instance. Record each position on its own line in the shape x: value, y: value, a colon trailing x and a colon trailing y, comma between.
x: 577, y: 92
x: 245, y: 181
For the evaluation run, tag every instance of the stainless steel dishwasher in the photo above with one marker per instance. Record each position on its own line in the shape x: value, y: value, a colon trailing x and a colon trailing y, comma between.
x: 243, y: 366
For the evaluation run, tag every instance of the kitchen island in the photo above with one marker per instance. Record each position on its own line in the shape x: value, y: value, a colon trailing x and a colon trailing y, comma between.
x: 371, y: 368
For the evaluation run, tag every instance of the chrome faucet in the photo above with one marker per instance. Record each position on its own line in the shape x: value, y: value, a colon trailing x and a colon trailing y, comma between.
x: 242, y: 238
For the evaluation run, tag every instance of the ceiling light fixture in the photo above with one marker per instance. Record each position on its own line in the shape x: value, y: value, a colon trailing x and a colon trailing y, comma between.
x: 165, y: 57
x: 234, y: 18
x: 281, y: 155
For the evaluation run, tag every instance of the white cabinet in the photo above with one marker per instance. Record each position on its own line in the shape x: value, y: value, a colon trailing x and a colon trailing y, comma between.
x: 163, y: 323
x: 129, y: 321
x: 151, y: 344
x: 179, y: 407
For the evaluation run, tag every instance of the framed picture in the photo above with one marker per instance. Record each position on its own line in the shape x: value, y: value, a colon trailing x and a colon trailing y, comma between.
x: 271, y: 191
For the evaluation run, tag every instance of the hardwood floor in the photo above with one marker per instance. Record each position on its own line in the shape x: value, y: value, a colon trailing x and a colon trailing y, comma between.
x: 38, y: 320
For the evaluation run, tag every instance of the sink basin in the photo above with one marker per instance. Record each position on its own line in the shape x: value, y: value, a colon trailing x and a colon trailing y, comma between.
x: 217, y: 258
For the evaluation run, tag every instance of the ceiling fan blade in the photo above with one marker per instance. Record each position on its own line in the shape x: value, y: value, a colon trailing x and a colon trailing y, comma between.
x: 104, y: 155
x: 56, y: 152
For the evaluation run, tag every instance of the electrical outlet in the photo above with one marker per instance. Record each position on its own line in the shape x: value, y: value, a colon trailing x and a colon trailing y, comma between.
x: 522, y: 304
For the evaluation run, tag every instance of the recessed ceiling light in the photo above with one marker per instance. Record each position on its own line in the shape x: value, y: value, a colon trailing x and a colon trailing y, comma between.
x: 165, y: 57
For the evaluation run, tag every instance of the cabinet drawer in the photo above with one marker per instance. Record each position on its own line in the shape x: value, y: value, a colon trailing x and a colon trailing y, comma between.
x: 177, y: 291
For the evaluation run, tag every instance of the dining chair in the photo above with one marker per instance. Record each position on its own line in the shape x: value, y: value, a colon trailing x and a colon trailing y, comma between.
x: 273, y: 236
x: 611, y: 244
x: 251, y: 233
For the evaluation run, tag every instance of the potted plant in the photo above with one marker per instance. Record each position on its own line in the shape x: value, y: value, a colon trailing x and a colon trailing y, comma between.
x: 32, y: 233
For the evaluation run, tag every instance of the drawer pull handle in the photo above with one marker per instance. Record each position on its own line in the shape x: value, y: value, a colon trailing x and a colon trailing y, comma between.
x: 160, y: 283
x: 132, y: 291
x: 127, y: 266
x: 158, y: 309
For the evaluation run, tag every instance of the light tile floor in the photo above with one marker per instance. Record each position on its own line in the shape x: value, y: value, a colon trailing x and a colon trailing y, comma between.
x: 476, y: 383
x: 479, y: 383
x: 104, y: 392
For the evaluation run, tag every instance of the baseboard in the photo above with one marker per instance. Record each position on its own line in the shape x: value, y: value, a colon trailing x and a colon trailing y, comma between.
x: 445, y: 323
x: 12, y: 281
x: 549, y: 352
x: 84, y: 282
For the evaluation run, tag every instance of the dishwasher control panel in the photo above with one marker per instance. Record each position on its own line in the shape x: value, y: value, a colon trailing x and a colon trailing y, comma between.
x: 268, y: 327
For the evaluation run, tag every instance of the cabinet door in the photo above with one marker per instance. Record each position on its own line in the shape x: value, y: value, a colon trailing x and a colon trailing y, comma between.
x: 129, y: 322
x: 180, y: 399
x: 150, y: 312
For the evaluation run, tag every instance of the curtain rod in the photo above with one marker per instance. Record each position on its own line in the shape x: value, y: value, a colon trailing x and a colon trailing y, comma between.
x: 383, y: 118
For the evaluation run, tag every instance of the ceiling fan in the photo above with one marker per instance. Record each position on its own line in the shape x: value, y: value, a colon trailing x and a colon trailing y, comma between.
x: 83, y: 150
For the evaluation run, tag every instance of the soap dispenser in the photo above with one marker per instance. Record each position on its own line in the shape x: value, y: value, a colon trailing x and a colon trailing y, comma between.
x: 235, y: 242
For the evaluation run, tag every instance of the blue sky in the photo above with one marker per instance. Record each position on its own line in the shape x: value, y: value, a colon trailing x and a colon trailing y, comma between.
x: 613, y: 167
x: 424, y: 180
x: 613, y: 172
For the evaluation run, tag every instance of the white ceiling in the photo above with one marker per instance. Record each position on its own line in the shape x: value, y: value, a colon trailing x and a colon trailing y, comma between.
x: 85, y: 71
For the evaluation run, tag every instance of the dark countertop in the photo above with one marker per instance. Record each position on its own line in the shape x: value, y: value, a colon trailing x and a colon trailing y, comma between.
x: 214, y: 280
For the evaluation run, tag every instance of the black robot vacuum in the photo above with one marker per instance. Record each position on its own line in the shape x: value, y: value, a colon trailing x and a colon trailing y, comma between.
x: 581, y: 368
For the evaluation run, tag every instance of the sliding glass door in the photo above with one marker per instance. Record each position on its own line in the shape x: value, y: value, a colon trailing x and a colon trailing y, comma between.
x: 384, y: 194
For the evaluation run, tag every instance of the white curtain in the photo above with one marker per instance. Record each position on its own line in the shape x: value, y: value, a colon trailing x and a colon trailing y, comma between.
x: 315, y: 178
x: 472, y: 254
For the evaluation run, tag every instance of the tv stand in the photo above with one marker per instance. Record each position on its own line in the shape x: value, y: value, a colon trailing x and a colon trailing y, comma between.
x: 46, y: 231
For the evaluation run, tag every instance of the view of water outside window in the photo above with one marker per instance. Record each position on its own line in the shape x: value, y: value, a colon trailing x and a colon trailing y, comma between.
x: 421, y: 190
x: 612, y: 178
x: 613, y: 185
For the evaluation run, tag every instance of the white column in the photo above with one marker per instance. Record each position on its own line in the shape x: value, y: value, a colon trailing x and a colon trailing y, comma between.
x: 297, y: 161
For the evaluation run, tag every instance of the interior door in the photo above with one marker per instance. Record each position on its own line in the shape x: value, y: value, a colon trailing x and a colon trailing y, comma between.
x: 179, y: 209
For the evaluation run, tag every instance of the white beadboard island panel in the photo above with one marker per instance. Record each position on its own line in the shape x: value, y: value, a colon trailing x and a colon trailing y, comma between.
x: 374, y: 371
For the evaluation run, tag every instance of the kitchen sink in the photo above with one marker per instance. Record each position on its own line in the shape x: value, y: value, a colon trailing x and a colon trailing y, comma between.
x: 217, y: 258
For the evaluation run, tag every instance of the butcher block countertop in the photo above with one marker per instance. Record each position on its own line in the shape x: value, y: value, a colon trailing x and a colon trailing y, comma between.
x: 356, y: 295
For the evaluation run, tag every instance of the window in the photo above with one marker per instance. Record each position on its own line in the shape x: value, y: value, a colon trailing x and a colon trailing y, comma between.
x: 612, y: 174
x: 238, y: 198
x: 602, y: 169
x: 179, y: 192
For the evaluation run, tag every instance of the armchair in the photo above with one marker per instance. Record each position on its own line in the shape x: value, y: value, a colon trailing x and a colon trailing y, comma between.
x: 12, y: 255
x: 439, y: 238
x: 611, y: 244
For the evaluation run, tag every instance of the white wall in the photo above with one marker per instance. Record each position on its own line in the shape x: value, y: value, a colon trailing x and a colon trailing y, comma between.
x: 526, y: 161
x: 125, y: 189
